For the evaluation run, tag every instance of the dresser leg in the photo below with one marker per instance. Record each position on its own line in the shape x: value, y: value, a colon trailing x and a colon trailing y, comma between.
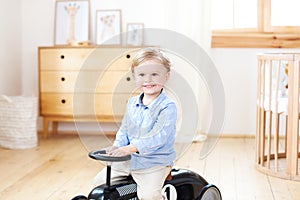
x: 54, y: 127
x: 46, y: 128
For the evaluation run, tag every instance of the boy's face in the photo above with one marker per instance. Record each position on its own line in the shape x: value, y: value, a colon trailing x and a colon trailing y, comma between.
x: 150, y: 77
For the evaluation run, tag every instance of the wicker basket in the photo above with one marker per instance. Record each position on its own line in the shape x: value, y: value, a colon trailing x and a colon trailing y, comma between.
x: 18, y: 122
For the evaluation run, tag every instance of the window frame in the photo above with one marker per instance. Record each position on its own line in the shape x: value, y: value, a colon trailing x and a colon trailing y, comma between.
x: 264, y: 36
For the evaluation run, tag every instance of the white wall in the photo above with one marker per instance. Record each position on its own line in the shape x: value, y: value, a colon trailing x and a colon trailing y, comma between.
x: 37, y: 30
x: 238, y: 71
x: 30, y: 24
x: 10, y: 48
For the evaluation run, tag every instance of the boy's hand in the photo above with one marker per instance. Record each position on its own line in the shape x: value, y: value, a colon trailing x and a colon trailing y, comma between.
x: 109, y: 149
x: 123, y: 151
x: 119, y: 152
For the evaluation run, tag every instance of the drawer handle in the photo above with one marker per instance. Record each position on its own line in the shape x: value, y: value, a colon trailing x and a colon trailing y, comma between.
x: 63, y: 101
x: 62, y: 57
x: 128, y: 56
x: 128, y: 78
x: 63, y: 79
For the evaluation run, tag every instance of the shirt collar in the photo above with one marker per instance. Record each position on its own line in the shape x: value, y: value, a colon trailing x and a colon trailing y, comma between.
x: 153, y: 103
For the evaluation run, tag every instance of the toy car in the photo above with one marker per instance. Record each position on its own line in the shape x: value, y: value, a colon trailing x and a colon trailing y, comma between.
x: 182, y: 185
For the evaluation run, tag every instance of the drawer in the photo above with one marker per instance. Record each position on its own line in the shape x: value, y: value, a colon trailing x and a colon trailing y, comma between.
x: 85, y: 58
x: 56, y: 104
x: 86, y: 81
x: 116, y: 82
x: 63, y: 58
x: 67, y: 104
x: 66, y: 81
x: 112, y: 59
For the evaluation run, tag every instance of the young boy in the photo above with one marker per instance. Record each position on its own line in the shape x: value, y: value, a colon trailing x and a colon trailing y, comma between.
x: 148, y: 128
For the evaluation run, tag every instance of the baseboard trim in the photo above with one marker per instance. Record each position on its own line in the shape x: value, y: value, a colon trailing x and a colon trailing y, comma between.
x: 70, y: 132
x: 237, y: 136
x: 111, y: 133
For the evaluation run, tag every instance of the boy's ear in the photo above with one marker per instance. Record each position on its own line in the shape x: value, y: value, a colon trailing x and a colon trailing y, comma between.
x: 167, y: 76
x: 133, y: 76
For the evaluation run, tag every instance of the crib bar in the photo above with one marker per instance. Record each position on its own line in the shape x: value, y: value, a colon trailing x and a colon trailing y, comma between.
x: 285, y: 139
x: 276, y: 141
x: 270, y: 114
x: 263, y: 116
x: 276, y: 115
x: 293, y: 125
x: 258, y: 111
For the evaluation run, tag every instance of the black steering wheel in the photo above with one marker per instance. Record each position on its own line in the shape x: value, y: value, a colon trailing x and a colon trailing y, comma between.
x: 102, y: 155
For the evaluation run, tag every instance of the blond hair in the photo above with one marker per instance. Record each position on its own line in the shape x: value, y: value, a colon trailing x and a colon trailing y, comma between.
x: 150, y: 53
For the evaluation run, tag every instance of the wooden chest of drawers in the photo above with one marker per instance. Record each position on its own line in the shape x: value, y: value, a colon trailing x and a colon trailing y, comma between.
x: 84, y: 84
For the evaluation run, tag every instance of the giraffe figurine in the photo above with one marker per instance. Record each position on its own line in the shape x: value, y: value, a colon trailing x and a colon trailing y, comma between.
x: 72, y: 9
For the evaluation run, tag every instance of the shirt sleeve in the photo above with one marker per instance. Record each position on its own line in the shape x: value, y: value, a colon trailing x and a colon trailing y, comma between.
x: 161, y: 134
x: 122, y: 133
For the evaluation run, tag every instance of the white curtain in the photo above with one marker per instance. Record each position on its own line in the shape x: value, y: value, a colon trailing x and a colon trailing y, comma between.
x: 191, y: 18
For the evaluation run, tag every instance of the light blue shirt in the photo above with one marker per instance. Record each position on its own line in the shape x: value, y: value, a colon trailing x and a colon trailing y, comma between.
x: 151, y: 129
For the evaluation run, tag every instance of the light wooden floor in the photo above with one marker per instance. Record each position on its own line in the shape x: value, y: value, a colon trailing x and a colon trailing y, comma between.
x: 59, y: 168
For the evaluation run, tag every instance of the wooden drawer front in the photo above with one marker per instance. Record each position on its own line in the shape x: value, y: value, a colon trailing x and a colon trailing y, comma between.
x: 86, y: 81
x: 63, y: 58
x: 86, y: 104
x: 111, y: 58
x: 116, y: 82
x: 122, y: 62
x: 66, y: 81
x: 56, y: 104
x: 108, y: 104
x: 85, y: 58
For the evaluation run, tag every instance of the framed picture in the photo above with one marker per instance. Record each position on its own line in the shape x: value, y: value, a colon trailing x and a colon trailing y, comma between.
x: 71, y: 22
x: 135, y: 34
x: 108, y: 27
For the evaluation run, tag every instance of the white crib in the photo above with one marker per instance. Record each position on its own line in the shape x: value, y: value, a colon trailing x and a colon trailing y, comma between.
x: 277, y: 120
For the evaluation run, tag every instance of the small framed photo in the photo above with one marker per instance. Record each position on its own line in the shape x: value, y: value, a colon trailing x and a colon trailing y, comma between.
x: 72, y: 20
x: 135, y: 34
x: 108, y: 27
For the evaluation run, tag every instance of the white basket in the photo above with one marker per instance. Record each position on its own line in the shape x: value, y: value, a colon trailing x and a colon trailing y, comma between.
x: 18, y: 122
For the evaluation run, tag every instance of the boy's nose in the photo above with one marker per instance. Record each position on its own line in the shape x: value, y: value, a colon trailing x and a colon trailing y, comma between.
x: 148, y: 78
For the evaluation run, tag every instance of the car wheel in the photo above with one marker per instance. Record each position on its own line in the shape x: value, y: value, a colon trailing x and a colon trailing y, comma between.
x: 80, y: 197
x: 209, y: 192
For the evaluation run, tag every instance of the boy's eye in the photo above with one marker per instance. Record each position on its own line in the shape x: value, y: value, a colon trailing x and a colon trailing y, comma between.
x: 141, y: 74
x: 155, y: 74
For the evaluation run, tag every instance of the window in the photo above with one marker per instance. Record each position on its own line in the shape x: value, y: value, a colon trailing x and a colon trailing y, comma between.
x: 256, y: 24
